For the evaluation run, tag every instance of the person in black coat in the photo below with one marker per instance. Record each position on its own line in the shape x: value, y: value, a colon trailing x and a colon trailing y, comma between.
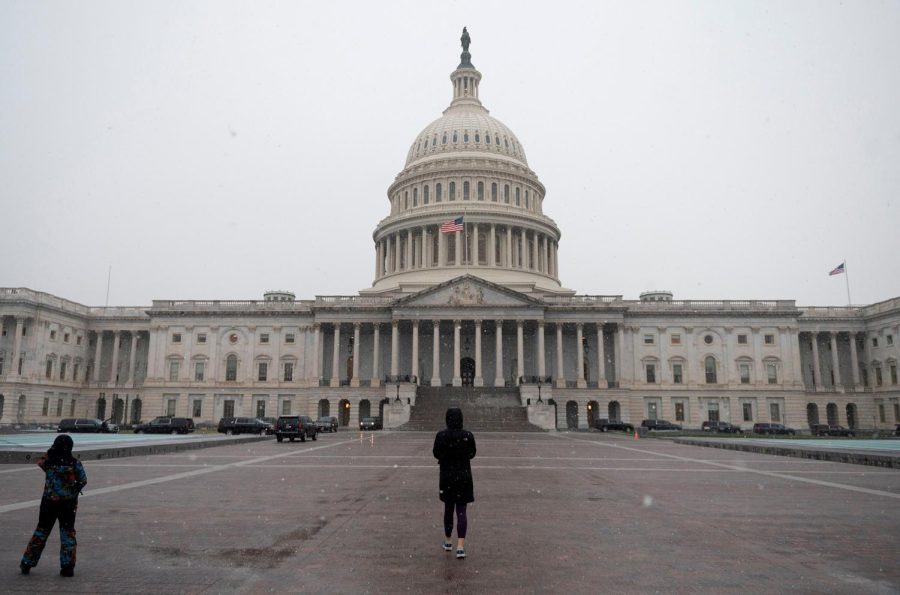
x: 454, y: 448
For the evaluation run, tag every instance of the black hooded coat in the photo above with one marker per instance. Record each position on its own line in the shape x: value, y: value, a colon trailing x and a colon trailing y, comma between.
x: 454, y: 448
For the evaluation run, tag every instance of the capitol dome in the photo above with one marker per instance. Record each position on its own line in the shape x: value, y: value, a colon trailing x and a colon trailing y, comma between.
x: 466, y: 203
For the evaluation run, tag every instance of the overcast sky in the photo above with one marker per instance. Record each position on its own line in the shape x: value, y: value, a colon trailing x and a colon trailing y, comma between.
x: 215, y: 150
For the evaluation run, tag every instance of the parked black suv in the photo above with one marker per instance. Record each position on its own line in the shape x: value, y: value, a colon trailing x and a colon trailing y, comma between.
x: 166, y: 425
x: 86, y: 424
x: 720, y: 426
x: 829, y: 430
x: 241, y: 425
x: 327, y: 424
x: 655, y: 425
x: 605, y: 425
x: 777, y: 429
x: 295, y: 426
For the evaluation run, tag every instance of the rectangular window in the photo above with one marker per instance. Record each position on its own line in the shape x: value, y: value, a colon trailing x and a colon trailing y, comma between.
x: 769, y: 339
x: 285, y: 407
x: 772, y: 371
x: 75, y: 373
x: 889, y: 339
x: 748, y: 411
x: 72, y: 407
x: 288, y: 371
x: 679, y: 411
x: 264, y: 337
x: 174, y: 369
x: 201, y: 338
x: 199, y: 371
x: 651, y: 373
x: 52, y: 335
x: 66, y: 338
x: 712, y: 411
x: 651, y: 410
x: 59, y: 406
x: 228, y: 408
x: 897, y: 412
x: 263, y: 371
x: 78, y: 340
x: 742, y: 339
x: 775, y: 411
x: 289, y: 337
x: 176, y: 337
x: 46, y: 408
x: 676, y: 339
x: 878, y: 378
x: 197, y: 408
x: 62, y: 370
x: 260, y: 408
x: 49, y: 370
x: 745, y: 373
x: 170, y: 407
x: 648, y: 339
x: 874, y: 341
x: 881, y: 416
x: 677, y: 377
x: 893, y: 373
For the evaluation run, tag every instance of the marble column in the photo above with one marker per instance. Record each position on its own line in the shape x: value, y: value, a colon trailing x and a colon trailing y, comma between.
x: 620, y: 353
x: 854, y: 360
x: 478, y: 381
x: 436, y: 354
x: 442, y: 248
x: 560, y: 372
x: 475, y: 255
x: 114, y: 372
x: 317, y: 357
x: 498, y: 336
x: 579, y: 355
x: 542, y: 355
x: 795, y: 355
x: 523, y: 250
x: 377, y: 260
x: 601, y: 357
x: 547, y: 255
x: 457, y: 376
x: 355, y: 380
x: 508, y: 260
x: 409, y: 251
x: 336, y: 356
x: 415, y: 351
x: 816, y: 366
x: 835, y: 361
x: 131, y: 357
x: 534, y: 252
x: 492, y: 249
x: 17, y: 350
x: 520, y: 350
x: 376, y: 352
x: 395, y: 350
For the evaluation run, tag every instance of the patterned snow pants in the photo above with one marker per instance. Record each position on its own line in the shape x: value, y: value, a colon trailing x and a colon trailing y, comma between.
x: 51, y: 511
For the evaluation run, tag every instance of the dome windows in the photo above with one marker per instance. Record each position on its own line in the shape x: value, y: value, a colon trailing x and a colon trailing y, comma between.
x: 465, y: 190
x: 487, y: 137
x: 465, y: 136
x: 518, y: 199
x: 434, y: 141
x: 425, y: 194
x: 477, y: 137
x: 506, y: 193
x: 506, y: 142
x: 444, y: 139
x: 455, y: 138
x: 415, y: 197
x: 494, y: 191
x: 438, y: 192
x: 480, y: 190
x: 451, y: 191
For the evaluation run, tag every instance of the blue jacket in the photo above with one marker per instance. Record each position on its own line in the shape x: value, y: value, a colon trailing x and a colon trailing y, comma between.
x: 65, y: 480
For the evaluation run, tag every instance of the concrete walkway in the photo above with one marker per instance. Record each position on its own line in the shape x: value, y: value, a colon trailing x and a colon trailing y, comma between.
x: 554, y: 513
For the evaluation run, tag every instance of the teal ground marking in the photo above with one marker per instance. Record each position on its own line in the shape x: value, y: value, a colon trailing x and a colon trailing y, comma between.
x: 45, y: 439
x: 889, y: 445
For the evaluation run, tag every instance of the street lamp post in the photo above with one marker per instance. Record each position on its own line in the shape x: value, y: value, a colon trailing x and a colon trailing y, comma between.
x: 540, y: 401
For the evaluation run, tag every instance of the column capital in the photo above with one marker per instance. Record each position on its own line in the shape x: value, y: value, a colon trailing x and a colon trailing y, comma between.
x: 540, y: 324
x: 436, y: 323
x: 457, y: 322
x: 579, y: 325
x: 477, y: 322
x: 356, y: 326
x: 395, y: 323
x: 499, y: 322
x: 316, y: 326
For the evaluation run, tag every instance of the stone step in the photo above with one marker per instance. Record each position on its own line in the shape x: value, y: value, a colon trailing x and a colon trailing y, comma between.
x: 484, y: 409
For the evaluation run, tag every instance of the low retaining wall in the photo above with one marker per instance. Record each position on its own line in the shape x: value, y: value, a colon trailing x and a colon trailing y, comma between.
x: 125, y: 450
x: 836, y: 456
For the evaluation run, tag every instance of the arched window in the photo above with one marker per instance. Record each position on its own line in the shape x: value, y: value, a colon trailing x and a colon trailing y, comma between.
x: 444, y: 139
x: 480, y: 190
x: 452, y: 191
x: 494, y: 191
x: 506, y: 193
x: 425, y: 194
x: 518, y: 198
x: 465, y: 191
x: 434, y: 141
x: 505, y: 142
x: 231, y: 368
x: 465, y: 136
x: 438, y: 192
x: 487, y: 137
x: 710, y: 370
x: 527, y: 201
x: 406, y: 200
x: 454, y: 137
x: 812, y: 414
x: 415, y: 197
x: 477, y: 137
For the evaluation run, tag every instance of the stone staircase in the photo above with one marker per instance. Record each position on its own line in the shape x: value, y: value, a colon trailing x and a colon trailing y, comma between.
x: 485, y: 409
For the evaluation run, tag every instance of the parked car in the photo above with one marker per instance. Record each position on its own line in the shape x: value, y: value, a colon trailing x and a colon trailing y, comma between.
x: 720, y: 427
x: 327, y: 424
x: 830, y: 430
x: 295, y: 426
x: 655, y: 425
x: 605, y: 425
x: 241, y: 425
x: 270, y: 424
x: 86, y: 424
x: 370, y: 423
x: 166, y: 425
x: 777, y: 429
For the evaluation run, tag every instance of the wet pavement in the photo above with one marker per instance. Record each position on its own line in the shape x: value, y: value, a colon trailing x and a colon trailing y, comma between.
x: 579, y: 513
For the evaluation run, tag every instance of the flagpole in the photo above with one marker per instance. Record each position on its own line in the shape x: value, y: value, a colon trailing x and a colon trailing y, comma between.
x: 847, y: 279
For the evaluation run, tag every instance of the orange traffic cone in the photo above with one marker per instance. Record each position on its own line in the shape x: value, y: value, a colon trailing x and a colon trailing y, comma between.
x: 636, y: 437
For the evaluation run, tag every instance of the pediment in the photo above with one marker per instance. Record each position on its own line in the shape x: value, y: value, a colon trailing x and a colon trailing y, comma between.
x: 467, y: 291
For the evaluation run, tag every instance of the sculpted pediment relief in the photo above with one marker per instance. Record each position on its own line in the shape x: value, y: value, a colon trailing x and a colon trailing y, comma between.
x: 468, y: 291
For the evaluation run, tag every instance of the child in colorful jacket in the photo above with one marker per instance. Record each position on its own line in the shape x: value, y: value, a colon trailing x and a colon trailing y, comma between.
x: 65, y: 478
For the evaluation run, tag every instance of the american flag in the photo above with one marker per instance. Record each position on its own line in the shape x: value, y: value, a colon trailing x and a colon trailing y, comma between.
x: 838, y: 269
x: 452, y: 226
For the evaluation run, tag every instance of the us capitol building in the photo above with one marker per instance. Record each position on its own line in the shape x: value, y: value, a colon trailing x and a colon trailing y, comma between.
x: 466, y: 297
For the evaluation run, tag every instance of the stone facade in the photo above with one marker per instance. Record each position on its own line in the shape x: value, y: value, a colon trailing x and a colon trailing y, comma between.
x: 482, y: 306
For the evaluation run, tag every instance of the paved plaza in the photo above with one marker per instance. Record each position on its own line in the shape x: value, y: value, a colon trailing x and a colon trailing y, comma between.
x: 560, y: 512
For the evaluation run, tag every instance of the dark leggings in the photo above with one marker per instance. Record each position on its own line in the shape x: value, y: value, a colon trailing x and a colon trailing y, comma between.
x: 461, y: 520
x: 51, y: 511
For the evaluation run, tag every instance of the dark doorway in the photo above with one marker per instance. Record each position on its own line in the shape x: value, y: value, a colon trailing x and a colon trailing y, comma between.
x: 467, y: 371
x: 552, y: 403
x: 118, y: 410
x: 572, y: 415
x: 381, y: 405
x: 615, y: 410
x: 593, y: 409
x: 324, y: 407
x: 812, y: 414
x: 365, y: 409
x: 831, y: 413
x: 344, y: 413
x: 101, y: 408
x: 851, y: 416
x: 136, y: 411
